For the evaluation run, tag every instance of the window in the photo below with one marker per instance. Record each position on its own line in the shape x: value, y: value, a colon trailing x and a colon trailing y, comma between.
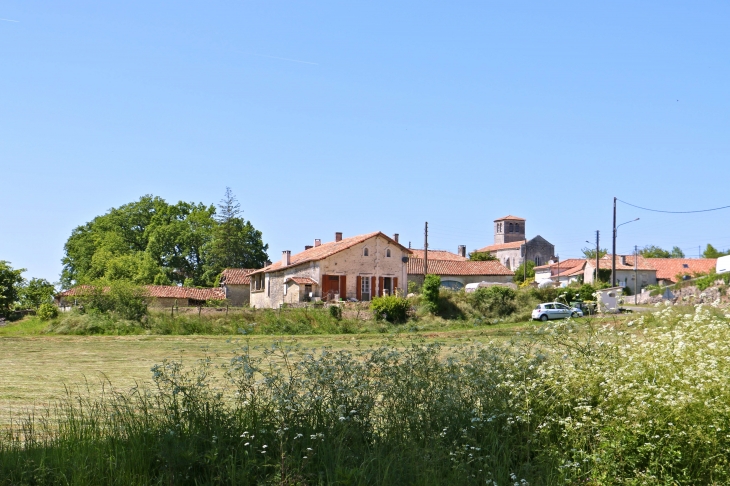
x: 537, y: 261
x: 511, y: 228
x: 517, y: 227
x: 684, y: 265
x: 365, y: 252
x: 387, y: 253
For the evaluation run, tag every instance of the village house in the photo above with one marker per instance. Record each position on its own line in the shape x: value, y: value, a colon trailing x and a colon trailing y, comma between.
x: 160, y: 296
x: 628, y: 275
x: 356, y: 268
x: 511, y: 246
x: 455, y: 270
x: 671, y: 270
x: 236, y: 285
x: 561, y: 273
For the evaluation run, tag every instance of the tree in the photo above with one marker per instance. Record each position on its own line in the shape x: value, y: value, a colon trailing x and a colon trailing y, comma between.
x: 430, y: 292
x: 36, y: 292
x: 712, y: 252
x: 11, y: 281
x: 521, y: 271
x: 590, y: 253
x: 494, y: 301
x: 652, y: 251
x: 677, y: 253
x: 482, y: 256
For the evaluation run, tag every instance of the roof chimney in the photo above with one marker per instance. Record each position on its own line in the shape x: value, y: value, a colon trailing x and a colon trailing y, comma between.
x: 462, y: 251
x: 623, y: 259
x: 308, y: 247
x: 338, y: 236
x: 317, y: 242
x: 285, y: 258
x: 395, y: 237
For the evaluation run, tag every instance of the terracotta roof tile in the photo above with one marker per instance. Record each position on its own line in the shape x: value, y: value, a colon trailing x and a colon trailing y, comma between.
x: 502, y: 246
x: 606, y: 263
x: 439, y: 255
x: 567, y: 263
x: 326, y: 250
x: 161, y: 291
x: 509, y: 216
x: 450, y: 267
x: 237, y: 276
x: 669, y: 268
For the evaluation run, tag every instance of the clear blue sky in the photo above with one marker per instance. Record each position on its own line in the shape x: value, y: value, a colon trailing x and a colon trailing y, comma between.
x: 358, y: 116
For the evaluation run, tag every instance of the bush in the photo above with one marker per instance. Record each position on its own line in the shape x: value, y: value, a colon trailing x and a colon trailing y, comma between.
x: 494, y: 301
x: 126, y: 300
x: 430, y: 292
x: 47, y: 311
x: 335, y: 312
x: 391, y: 308
x: 521, y: 271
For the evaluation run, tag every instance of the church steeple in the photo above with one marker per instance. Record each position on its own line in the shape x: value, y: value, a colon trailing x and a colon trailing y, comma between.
x: 508, y: 229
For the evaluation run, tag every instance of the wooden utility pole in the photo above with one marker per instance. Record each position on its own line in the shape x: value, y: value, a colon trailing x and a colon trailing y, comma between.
x: 636, y: 274
x: 598, y: 253
x: 425, y: 251
x: 613, y: 256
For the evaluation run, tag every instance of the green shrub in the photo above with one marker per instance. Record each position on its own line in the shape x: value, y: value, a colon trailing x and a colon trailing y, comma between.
x: 335, y: 312
x: 413, y: 287
x: 47, y: 311
x: 430, y: 292
x: 494, y: 301
x: 391, y: 308
x: 521, y: 271
x: 127, y: 300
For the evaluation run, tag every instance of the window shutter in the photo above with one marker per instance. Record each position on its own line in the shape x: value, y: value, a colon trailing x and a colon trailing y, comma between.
x: 372, y: 286
x: 343, y: 287
x: 380, y: 286
x: 358, y: 290
x: 395, y: 284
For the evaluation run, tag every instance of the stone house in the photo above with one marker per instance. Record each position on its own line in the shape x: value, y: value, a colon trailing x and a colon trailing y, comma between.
x: 355, y: 268
x: 627, y: 275
x: 236, y: 284
x: 671, y: 270
x: 511, y: 246
x: 457, y: 274
x: 160, y: 296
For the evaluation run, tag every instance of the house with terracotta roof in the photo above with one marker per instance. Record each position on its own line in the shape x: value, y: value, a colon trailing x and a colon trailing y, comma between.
x: 632, y: 272
x: 562, y: 273
x: 355, y: 268
x: 511, y: 246
x: 671, y: 270
x: 236, y: 284
x: 159, y: 295
x: 455, y: 274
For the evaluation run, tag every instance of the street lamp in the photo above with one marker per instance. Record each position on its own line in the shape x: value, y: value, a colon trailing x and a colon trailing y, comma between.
x: 613, y: 257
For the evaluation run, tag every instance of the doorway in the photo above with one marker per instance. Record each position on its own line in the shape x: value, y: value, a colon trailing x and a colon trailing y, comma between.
x: 387, y: 285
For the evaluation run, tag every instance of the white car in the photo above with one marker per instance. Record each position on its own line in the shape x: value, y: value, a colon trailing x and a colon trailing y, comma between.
x: 555, y: 310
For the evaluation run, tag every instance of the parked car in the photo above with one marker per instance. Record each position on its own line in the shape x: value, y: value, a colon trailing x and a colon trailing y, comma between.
x: 555, y: 310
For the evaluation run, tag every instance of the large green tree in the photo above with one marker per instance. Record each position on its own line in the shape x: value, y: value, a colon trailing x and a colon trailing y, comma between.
x: 153, y: 242
x: 11, y: 282
x: 35, y: 292
x: 712, y: 252
x: 652, y: 251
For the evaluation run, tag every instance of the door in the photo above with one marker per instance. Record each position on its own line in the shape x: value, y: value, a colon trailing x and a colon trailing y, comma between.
x: 330, y: 286
x: 387, y: 285
x: 365, y: 288
x: 550, y: 311
x: 564, y: 310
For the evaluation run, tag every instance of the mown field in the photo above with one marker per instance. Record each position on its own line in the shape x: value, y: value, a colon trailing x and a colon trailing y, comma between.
x: 639, y: 400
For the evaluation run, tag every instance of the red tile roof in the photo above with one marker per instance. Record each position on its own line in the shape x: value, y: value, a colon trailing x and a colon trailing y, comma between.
x: 302, y: 280
x: 326, y: 250
x: 450, y: 267
x: 236, y: 276
x: 161, y: 291
x: 509, y: 216
x: 439, y: 255
x: 502, y: 246
x: 567, y: 263
x: 669, y: 268
x: 606, y: 263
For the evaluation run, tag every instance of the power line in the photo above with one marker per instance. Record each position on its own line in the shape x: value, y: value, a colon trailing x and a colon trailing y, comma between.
x: 673, y: 212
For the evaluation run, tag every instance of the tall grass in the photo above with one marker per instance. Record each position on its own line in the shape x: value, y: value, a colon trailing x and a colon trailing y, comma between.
x: 648, y: 403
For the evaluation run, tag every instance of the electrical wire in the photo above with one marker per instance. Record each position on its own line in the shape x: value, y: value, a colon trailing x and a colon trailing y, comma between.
x: 672, y: 212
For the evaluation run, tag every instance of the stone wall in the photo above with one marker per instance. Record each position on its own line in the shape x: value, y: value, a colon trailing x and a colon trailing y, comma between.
x: 237, y: 295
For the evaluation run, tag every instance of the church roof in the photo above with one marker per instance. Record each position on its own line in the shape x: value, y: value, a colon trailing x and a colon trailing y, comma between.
x: 509, y: 216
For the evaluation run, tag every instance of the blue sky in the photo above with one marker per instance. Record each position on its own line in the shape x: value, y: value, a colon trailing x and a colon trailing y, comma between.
x: 360, y: 116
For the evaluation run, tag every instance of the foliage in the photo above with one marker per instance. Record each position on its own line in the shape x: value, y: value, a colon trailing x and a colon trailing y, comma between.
x: 150, y: 241
x: 335, y: 312
x: 36, y: 292
x: 604, y: 274
x: 11, y: 281
x: 47, y: 311
x: 568, y: 404
x: 482, y: 256
x: 712, y: 252
x: 590, y: 253
x: 494, y: 301
x: 520, y: 271
x: 413, y: 287
x: 391, y: 308
x: 676, y: 253
x: 124, y: 299
x: 710, y: 280
x: 430, y: 292
x: 652, y: 251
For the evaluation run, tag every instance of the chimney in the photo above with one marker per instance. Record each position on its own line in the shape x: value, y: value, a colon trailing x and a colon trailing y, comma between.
x: 395, y: 237
x: 338, y: 236
x: 308, y: 247
x: 317, y: 242
x: 462, y: 251
x: 623, y: 259
x: 285, y: 258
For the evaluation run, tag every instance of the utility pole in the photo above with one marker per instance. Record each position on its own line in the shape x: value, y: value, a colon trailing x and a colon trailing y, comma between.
x: 636, y: 275
x: 425, y: 251
x: 598, y: 252
x: 613, y: 251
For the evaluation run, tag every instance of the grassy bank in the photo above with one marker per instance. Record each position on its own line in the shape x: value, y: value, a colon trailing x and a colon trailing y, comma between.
x: 647, y: 402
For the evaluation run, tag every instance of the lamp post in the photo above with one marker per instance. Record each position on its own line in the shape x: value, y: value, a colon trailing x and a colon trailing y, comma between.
x: 615, y: 230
